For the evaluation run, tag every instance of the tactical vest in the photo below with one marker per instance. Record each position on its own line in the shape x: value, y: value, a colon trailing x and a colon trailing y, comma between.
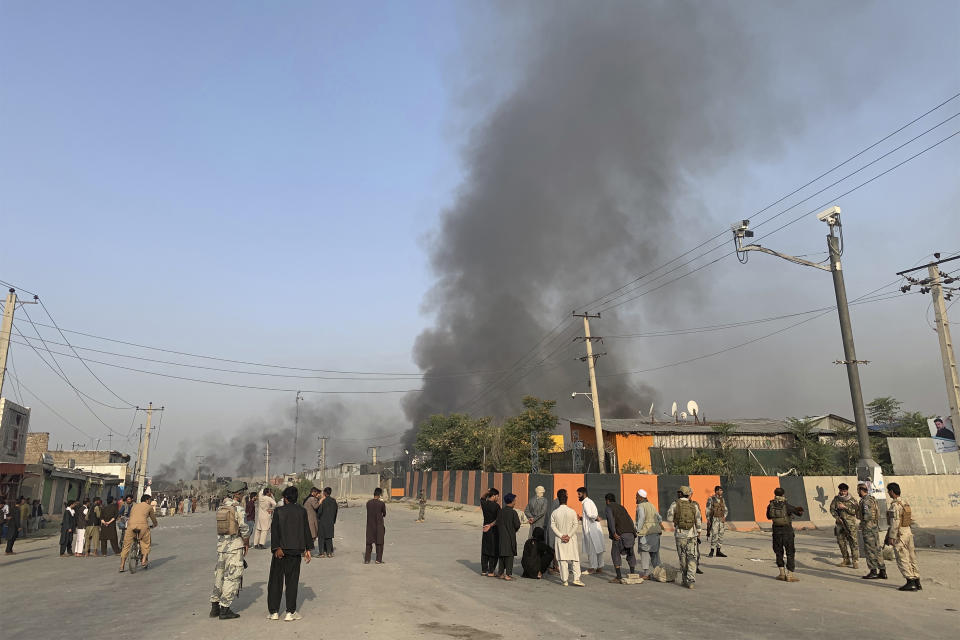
x: 906, y: 518
x: 685, y: 515
x: 778, y: 513
x: 227, y: 524
x: 651, y: 520
x: 717, y: 508
x: 869, y: 513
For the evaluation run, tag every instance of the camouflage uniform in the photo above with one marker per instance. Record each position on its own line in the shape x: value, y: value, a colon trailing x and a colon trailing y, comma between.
x: 869, y: 514
x: 902, y: 540
x: 686, y: 541
x: 716, y: 515
x: 847, y: 531
x: 229, y: 571
x: 423, y: 507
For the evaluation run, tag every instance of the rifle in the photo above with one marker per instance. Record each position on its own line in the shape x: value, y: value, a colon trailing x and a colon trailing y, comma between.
x: 241, y: 576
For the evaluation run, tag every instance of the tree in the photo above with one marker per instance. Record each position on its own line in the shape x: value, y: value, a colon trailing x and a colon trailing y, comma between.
x: 848, y: 446
x: 729, y: 461
x: 884, y: 410
x: 454, y: 441
x: 513, y: 438
x: 813, y: 458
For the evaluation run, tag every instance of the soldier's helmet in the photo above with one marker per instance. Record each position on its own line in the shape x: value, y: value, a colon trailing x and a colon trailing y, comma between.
x: 687, y: 491
x: 236, y: 485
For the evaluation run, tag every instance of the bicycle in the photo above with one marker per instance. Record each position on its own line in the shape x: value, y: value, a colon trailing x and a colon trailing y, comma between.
x: 135, y: 554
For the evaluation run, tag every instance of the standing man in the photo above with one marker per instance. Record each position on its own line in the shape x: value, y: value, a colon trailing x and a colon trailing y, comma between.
x: 564, y: 524
x: 108, y: 527
x: 138, y: 522
x: 265, y: 506
x: 781, y: 513
x: 326, y: 520
x: 24, y: 507
x: 14, y: 526
x: 593, y: 545
x: 844, y: 509
x: 684, y: 513
x: 489, y: 543
x: 233, y: 540
x: 648, y: 534
x: 80, y: 533
x: 92, y: 543
x: 376, y: 512
x: 536, y: 511
x: 250, y: 511
x: 290, y: 539
x: 900, y: 517
x: 869, y: 514
x: 716, y: 521
x: 423, y: 506
x: 68, y: 526
x: 622, y: 532
x: 124, y: 516
x: 508, y: 523
x: 312, y: 504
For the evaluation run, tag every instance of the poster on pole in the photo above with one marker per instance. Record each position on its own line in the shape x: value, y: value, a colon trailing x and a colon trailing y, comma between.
x: 943, y: 434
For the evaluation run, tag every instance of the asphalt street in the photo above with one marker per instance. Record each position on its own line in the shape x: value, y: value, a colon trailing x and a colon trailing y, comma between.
x: 430, y: 587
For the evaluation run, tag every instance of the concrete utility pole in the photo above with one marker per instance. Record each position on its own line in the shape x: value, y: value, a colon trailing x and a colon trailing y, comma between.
x: 322, y: 453
x: 594, y: 398
x: 296, y: 425
x: 145, y: 450
x: 373, y: 450
x: 867, y: 468
x: 266, y: 459
x: 934, y: 284
x: 200, y: 460
x: 5, y: 330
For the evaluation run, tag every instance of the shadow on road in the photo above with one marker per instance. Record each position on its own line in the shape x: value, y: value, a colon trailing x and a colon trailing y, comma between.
x: 248, y: 596
x: 161, y: 561
x: 473, y: 566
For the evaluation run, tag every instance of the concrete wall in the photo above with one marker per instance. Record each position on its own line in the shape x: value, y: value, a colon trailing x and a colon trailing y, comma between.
x: 918, y: 456
x: 935, y: 499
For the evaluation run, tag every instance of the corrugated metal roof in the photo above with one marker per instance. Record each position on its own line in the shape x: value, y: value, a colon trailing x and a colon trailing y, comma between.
x: 756, y: 426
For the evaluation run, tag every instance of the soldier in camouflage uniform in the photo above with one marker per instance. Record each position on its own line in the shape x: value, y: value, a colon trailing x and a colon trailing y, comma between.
x: 899, y: 517
x: 716, y: 521
x: 230, y: 552
x: 844, y: 509
x: 869, y: 514
x: 685, y: 516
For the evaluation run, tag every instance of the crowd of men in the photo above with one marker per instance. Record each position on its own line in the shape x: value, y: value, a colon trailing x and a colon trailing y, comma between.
x: 565, y: 540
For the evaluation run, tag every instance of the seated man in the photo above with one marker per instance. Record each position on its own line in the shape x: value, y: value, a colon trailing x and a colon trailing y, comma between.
x: 537, y: 555
x: 138, y: 521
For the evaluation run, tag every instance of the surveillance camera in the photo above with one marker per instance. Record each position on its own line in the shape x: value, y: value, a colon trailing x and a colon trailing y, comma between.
x: 829, y: 215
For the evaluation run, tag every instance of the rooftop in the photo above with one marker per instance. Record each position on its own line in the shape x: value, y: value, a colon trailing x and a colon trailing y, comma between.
x: 755, y: 426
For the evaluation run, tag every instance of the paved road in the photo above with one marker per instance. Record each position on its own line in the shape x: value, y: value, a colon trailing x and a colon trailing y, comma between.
x: 430, y: 587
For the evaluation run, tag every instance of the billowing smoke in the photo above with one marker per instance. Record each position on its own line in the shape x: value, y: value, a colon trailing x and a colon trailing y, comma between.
x: 350, y: 429
x: 580, y: 178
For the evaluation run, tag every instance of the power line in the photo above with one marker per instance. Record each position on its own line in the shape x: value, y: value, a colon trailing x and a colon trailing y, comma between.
x: 51, y: 409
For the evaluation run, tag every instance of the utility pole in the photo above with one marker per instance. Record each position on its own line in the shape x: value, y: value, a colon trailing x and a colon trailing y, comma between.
x: 867, y: 468
x: 322, y: 461
x: 373, y: 450
x: 145, y: 451
x: 200, y: 460
x: 296, y: 425
x: 934, y: 285
x: 5, y: 330
x: 266, y: 459
x: 594, y: 398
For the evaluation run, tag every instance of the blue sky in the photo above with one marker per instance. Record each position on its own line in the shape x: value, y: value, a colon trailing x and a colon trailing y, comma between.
x: 256, y: 180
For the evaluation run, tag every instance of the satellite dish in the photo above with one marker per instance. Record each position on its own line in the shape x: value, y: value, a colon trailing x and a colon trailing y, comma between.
x: 651, y: 409
x: 693, y: 408
x: 673, y: 409
x: 683, y: 415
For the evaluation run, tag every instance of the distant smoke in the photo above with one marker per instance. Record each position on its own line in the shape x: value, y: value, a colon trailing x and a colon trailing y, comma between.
x: 350, y: 431
x: 573, y: 183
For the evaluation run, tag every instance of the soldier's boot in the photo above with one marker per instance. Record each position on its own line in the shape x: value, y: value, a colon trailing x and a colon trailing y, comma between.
x: 720, y: 554
x: 226, y: 613
x: 916, y: 583
x: 792, y: 577
x: 882, y: 575
x: 855, y: 566
x: 214, y: 609
x: 910, y: 586
x: 710, y: 555
x: 845, y: 562
x: 783, y: 574
x: 873, y: 575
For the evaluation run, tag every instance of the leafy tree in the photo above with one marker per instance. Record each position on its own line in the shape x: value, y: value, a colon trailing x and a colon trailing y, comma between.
x: 884, y: 410
x: 513, y: 438
x: 729, y: 460
x: 848, y: 447
x: 813, y: 458
x: 912, y: 425
x: 632, y: 467
x: 454, y: 441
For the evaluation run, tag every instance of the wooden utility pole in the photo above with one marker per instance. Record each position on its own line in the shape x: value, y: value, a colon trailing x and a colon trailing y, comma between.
x: 595, y: 399
x: 5, y: 330
x: 145, y: 450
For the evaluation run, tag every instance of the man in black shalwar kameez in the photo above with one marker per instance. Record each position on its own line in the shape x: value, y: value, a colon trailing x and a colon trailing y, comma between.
x: 376, y: 512
x: 508, y: 523
x: 537, y: 555
x: 490, y: 542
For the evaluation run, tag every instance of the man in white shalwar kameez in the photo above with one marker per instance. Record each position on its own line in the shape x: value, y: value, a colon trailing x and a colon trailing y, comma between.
x: 564, y: 525
x: 593, y: 543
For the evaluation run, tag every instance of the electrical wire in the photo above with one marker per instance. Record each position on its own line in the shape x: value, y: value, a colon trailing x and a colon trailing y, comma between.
x: 51, y: 409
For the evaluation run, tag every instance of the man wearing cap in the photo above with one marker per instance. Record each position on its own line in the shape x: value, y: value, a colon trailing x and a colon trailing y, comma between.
x: 593, y: 545
x: 900, y: 536
x: 536, y: 511
x: 648, y: 534
x: 844, y: 509
x: 684, y: 513
x: 508, y: 523
x: 869, y: 514
x: 716, y: 521
x: 233, y: 540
